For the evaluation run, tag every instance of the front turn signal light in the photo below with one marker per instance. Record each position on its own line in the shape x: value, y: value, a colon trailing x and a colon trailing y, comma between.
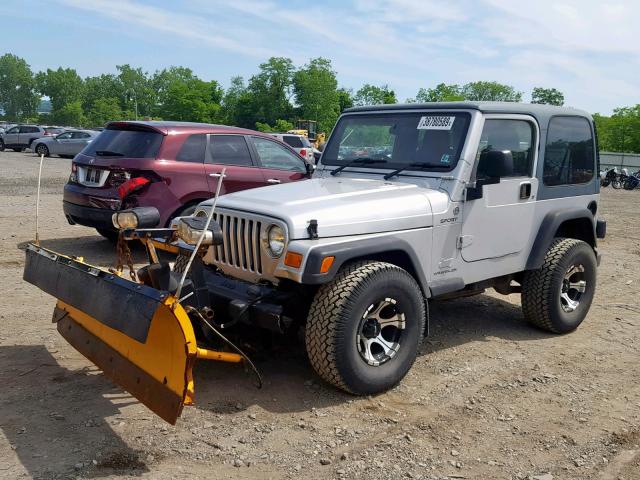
x: 327, y: 262
x: 293, y: 259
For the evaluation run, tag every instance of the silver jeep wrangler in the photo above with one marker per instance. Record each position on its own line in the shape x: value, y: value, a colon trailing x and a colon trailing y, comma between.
x: 411, y: 203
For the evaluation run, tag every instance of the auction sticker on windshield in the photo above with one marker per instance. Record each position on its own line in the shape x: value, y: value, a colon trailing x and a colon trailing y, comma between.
x: 434, y: 122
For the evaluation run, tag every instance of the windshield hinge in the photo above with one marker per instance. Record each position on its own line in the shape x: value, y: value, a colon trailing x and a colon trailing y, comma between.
x: 312, y: 229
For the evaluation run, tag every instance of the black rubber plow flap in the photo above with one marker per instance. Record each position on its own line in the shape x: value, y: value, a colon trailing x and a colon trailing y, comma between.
x: 140, y: 337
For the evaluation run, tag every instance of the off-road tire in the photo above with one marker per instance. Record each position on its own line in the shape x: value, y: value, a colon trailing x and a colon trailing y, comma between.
x: 541, y: 288
x: 334, y: 318
x: 41, y: 149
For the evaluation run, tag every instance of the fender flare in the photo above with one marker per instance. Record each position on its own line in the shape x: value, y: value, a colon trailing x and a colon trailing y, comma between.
x: 547, y: 232
x: 370, y: 247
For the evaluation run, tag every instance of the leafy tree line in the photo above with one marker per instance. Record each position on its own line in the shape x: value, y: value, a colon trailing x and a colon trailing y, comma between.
x: 270, y: 100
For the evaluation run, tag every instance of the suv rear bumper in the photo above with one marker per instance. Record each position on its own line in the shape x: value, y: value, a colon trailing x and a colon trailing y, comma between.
x: 87, y: 216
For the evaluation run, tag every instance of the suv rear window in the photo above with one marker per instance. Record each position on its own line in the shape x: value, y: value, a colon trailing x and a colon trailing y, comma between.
x: 54, y: 131
x: 292, y: 141
x: 125, y: 143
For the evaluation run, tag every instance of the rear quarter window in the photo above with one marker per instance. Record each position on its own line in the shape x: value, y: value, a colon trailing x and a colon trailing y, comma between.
x: 569, y: 156
x: 125, y: 143
x: 193, y: 149
x: 292, y: 141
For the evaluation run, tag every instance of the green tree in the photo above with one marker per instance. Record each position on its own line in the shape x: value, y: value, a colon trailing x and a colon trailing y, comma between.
x: 621, y: 131
x: 136, y: 80
x: 283, y: 125
x: 193, y: 101
x: 373, y: 95
x: 548, y: 96
x: 345, y: 99
x: 236, y: 103
x: 440, y: 93
x: 63, y: 87
x: 270, y: 92
x: 316, y: 91
x: 104, y: 110
x: 17, y: 96
x: 70, y: 114
x: 490, y: 92
x: 162, y: 81
x: 105, y: 86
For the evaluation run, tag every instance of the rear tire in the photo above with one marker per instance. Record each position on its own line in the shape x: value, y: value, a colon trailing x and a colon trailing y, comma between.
x: 365, y: 327
x: 111, y: 235
x: 181, y: 263
x: 557, y: 296
x: 42, y: 149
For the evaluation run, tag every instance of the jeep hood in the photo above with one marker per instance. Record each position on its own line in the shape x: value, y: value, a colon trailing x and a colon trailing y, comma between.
x: 341, y: 206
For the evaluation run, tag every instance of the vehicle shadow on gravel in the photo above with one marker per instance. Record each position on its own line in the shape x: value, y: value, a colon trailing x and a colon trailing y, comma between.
x: 480, y: 318
x: 54, y: 418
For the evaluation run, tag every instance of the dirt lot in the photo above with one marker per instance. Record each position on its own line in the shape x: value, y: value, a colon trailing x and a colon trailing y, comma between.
x: 488, y: 398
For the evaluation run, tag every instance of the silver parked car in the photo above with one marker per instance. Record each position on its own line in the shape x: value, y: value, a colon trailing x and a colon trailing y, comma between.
x: 67, y: 144
x: 20, y: 137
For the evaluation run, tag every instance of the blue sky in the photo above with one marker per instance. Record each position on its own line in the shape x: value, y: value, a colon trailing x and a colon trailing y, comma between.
x: 588, y: 49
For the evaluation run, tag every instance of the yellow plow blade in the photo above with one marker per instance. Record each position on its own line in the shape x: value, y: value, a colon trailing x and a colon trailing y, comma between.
x: 139, y: 336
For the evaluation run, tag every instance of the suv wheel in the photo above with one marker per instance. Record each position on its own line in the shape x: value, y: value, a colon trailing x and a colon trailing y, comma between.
x: 557, y: 296
x: 365, y: 327
x: 41, y: 149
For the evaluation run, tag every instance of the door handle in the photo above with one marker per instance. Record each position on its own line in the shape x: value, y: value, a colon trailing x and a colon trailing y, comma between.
x: 525, y: 190
x: 273, y: 181
x: 217, y: 175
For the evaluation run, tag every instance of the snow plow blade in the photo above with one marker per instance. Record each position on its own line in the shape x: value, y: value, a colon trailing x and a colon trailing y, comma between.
x: 136, y: 334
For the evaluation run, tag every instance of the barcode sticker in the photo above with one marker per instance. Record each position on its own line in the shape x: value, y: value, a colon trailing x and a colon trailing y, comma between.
x: 434, y: 122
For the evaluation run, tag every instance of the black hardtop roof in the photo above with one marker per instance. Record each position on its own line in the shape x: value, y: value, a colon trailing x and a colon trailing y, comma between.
x: 539, y: 111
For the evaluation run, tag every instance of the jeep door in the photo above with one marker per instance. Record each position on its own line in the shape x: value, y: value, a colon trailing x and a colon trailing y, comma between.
x: 279, y: 164
x: 500, y: 222
x: 231, y: 151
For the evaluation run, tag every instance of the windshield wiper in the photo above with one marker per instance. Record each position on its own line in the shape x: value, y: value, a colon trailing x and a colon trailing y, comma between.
x: 108, y: 153
x: 414, y: 165
x: 357, y: 161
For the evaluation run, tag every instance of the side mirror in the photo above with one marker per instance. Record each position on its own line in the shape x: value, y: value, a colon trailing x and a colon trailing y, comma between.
x: 496, y: 164
x: 310, y: 168
x: 492, y: 166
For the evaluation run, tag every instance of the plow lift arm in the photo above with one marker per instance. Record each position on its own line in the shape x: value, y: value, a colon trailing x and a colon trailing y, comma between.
x: 141, y: 337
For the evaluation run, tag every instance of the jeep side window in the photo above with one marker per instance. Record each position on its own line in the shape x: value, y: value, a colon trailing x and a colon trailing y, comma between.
x: 569, y: 154
x: 514, y: 135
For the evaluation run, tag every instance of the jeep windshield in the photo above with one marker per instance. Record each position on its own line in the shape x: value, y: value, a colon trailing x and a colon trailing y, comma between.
x: 433, y: 140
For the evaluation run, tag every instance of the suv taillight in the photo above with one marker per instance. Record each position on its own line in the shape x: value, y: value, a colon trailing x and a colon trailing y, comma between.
x: 131, y: 186
x: 117, y: 178
x: 74, y: 173
x: 303, y: 153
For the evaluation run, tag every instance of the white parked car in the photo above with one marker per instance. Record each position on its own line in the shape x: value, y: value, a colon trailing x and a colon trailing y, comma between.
x: 299, y: 143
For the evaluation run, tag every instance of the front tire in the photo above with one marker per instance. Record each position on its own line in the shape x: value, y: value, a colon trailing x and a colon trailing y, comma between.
x: 557, y: 296
x: 365, y: 327
x: 41, y: 149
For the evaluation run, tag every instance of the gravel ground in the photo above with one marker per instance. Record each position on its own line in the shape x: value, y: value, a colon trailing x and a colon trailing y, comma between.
x: 488, y: 398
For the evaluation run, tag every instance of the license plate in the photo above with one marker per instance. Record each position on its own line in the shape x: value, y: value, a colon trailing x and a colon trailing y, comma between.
x: 93, y: 175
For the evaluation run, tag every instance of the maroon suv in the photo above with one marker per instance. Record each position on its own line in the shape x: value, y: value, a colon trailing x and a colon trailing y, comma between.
x: 172, y: 166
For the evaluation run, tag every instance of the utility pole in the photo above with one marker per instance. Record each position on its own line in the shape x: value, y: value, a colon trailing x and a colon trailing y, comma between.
x: 135, y: 99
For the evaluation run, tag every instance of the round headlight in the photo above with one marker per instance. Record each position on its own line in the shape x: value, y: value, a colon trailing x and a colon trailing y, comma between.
x: 276, y: 240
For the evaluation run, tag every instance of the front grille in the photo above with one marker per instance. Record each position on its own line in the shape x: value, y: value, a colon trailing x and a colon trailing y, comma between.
x: 241, y: 243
